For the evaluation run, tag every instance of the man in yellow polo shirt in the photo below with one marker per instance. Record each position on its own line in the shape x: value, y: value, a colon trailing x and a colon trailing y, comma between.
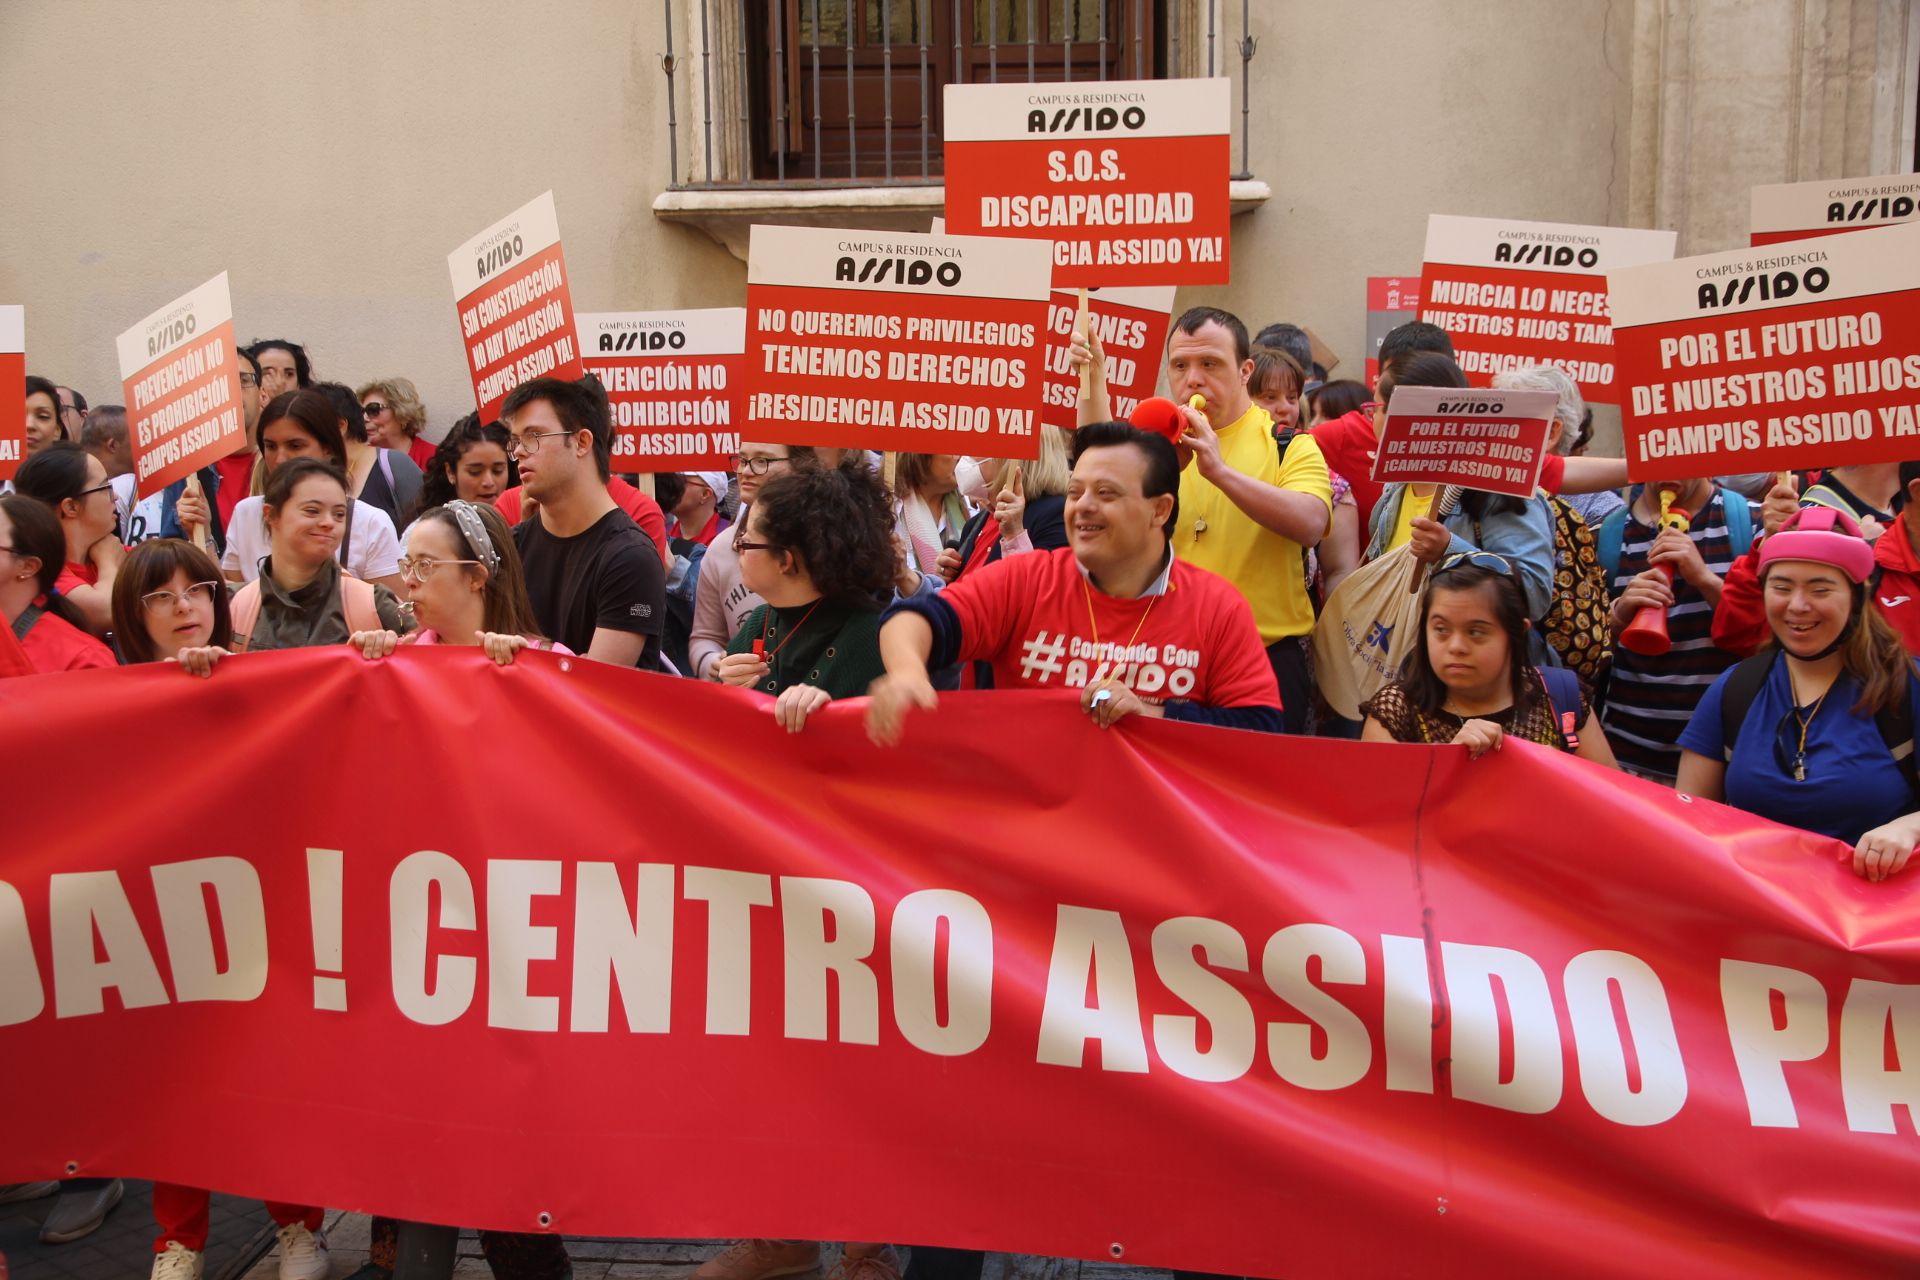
x: 1246, y: 513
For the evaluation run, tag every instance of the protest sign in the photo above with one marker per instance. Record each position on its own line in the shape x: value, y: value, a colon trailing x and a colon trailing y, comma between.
x: 1799, y: 210
x: 516, y: 310
x: 1391, y: 302
x: 1132, y: 327
x: 13, y: 389
x: 1512, y: 294
x: 1128, y: 178
x: 181, y: 381
x: 1801, y: 354
x: 673, y: 384
x: 890, y: 340
x: 1354, y: 1023
x: 1477, y: 439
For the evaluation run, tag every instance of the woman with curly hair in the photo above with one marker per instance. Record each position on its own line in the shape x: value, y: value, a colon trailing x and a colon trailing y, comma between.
x: 817, y: 546
x: 395, y: 418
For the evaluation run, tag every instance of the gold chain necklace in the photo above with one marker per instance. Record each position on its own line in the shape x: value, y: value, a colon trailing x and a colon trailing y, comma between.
x: 1804, y: 722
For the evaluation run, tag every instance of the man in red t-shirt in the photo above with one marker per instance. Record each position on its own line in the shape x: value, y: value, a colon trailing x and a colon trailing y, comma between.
x: 1112, y: 615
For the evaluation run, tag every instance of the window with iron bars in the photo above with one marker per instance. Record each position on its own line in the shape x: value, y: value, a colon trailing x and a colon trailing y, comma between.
x: 849, y: 93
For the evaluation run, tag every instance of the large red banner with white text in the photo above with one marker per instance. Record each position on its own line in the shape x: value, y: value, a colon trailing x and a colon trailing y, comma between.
x: 640, y: 958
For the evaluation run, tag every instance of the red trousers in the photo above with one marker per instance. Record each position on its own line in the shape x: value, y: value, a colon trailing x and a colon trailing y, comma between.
x: 181, y: 1213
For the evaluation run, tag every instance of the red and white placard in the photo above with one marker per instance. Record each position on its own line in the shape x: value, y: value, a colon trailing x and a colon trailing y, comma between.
x: 516, y: 309
x: 1512, y: 293
x: 1128, y: 178
x: 1477, y: 438
x: 1798, y: 210
x: 13, y: 389
x: 1132, y: 326
x: 673, y: 383
x: 181, y: 380
x: 1799, y: 354
x: 890, y: 340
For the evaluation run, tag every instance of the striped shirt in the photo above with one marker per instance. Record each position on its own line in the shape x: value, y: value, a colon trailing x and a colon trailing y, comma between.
x: 1650, y: 700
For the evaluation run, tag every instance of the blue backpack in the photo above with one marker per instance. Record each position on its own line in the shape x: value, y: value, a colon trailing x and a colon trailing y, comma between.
x: 1613, y: 530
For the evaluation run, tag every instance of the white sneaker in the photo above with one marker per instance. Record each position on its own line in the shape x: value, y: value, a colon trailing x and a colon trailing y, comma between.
x: 177, y: 1263
x: 303, y: 1253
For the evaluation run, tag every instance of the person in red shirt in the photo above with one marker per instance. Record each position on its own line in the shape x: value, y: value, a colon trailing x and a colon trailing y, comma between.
x: 50, y: 630
x: 1740, y: 619
x: 1112, y: 615
x: 74, y: 486
x: 644, y: 510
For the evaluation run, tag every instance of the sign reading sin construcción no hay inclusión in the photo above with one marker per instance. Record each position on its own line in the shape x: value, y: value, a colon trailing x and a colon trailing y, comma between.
x: 1797, y: 210
x: 13, y: 389
x: 182, y: 386
x: 890, y: 340
x: 1477, y: 439
x: 1129, y: 178
x: 1800, y: 354
x: 516, y: 311
x: 1513, y: 293
x: 673, y: 384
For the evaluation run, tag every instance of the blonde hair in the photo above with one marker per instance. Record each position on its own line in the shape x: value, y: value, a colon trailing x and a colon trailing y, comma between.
x: 403, y: 398
x: 1049, y: 473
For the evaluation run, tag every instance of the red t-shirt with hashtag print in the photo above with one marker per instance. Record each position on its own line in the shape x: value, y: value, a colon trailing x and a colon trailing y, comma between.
x: 1044, y: 626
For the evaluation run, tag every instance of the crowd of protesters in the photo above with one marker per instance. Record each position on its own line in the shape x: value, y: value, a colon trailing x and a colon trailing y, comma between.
x: 1172, y: 566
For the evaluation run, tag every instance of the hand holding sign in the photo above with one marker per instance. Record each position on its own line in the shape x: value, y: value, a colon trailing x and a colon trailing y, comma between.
x: 1010, y: 504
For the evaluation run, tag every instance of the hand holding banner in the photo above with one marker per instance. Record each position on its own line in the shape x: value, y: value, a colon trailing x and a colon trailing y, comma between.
x: 1128, y: 178
x: 1476, y: 439
x: 516, y: 309
x: 673, y: 384
x: 1793, y: 355
x: 1512, y: 293
x: 182, y: 387
x: 889, y: 340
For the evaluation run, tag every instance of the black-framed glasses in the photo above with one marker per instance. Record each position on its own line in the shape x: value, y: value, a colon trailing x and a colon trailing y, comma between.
x: 1478, y: 559
x: 167, y: 601
x: 373, y: 408
x: 741, y: 544
x: 87, y: 493
x: 756, y: 466
x: 526, y: 444
x: 248, y: 380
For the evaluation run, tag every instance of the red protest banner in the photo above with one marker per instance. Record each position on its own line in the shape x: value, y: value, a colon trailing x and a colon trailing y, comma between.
x: 1804, y: 354
x: 673, y: 381
x: 1349, y: 1007
x: 182, y: 387
x: 1129, y: 179
x: 1514, y: 293
x: 1799, y: 210
x: 889, y: 340
x: 1132, y: 326
x: 1478, y: 439
x: 13, y: 389
x: 516, y: 309
x: 1391, y: 302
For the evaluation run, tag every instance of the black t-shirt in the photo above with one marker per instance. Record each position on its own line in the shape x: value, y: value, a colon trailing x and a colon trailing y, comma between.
x: 608, y: 576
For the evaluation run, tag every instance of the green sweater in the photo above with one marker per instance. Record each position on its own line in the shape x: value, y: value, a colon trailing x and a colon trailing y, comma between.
x: 837, y: 648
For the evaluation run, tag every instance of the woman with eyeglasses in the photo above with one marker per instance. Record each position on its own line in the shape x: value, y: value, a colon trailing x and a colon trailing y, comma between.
x: 465, y: 585
x: 721, y: 600
x: 305, y: 424
x: 302, y: 597
x: 50, y: 630
x: 395, y: 418
x: 170, y: 605
x: 1816, y: 730
x: 1470, y: 682
x: 74, y: 486
x: 817, y: 547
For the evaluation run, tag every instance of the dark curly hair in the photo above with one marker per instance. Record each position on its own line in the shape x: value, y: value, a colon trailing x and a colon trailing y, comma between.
x: 839, y: 522
x: 438, y: 488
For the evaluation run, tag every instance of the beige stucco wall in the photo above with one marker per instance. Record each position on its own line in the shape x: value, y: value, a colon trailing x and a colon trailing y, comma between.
x: 329, y: 155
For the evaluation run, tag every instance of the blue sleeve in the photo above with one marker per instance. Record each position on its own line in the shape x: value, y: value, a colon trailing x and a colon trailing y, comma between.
x: 1703, y: 735
x: 941, y: 617
x: 169, y: 522
x: 1525, y: 539
x: 1047, y: 522
x: 1258, y: 719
